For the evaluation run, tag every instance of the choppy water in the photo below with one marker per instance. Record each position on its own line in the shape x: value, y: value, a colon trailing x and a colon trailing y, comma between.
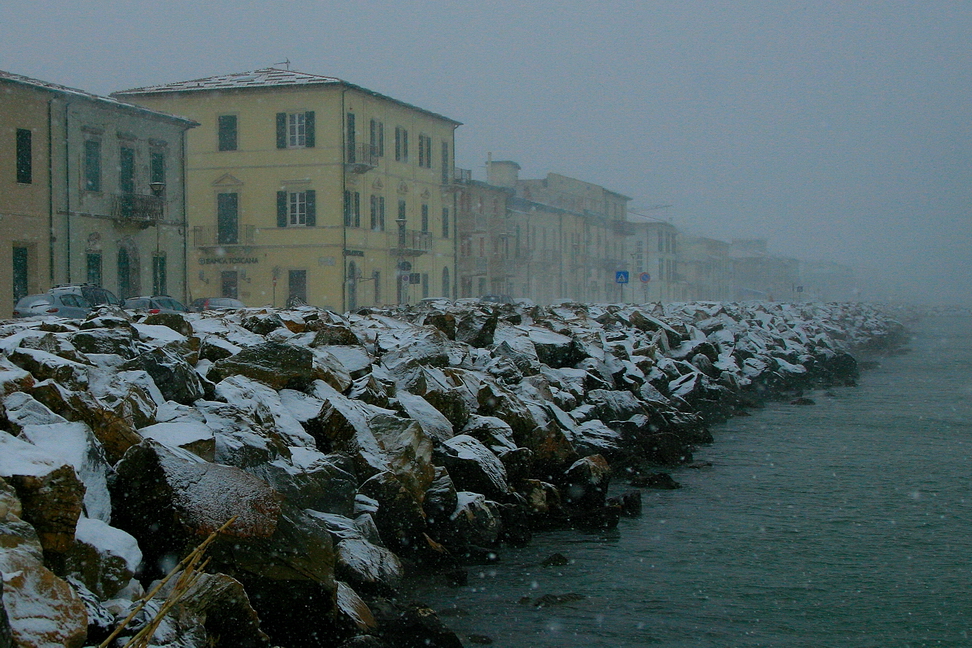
x: 847, y: 523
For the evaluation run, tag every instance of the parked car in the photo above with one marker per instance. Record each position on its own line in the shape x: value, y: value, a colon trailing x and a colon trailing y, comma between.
x: 497, y: 299
x: 72, y: 301
x: 215, y: 303
x: 156, y: 304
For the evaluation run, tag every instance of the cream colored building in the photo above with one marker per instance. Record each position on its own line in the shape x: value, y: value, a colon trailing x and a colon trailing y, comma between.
x: 654, y: 250
x: 309, y: 188
x: 566, y: 237
x: 92, y: 193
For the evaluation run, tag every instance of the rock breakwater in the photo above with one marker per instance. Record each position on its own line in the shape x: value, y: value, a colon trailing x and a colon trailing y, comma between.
x: 353, y: 450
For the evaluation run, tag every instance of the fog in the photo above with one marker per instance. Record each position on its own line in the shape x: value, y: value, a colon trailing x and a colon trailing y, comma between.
x: 839, y: 131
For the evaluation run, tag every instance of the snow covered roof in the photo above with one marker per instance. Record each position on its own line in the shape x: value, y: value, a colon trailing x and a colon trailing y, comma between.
x: 263, y: 78
x: 74, y: 92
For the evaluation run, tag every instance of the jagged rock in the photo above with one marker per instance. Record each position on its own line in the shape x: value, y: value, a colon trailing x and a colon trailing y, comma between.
x: 118, y: 341
x: 445, y: 322
x: 175, y: 378
x: 43, y: 365
x: 175, y: 321
x: 332, y: 334
x: 586, y: 483
x: 40, y: 609
x: 543, y: 502
x: 13, y: 378
x: 353, y: 609
x: 21, y: 409
x: 213, y: 348
x: 476, y: 522
x: 102, y: 557
x: 433, y: 422
x: 116, y: 434
x: 262, y: 323
x: 50, y: 493
x: 476, y: 328
x: 219, y: 604
x: 54, y: 344
x: 265, y: 406
x: 75, y: 445
x: 473, y: 467
x: 629, y: 503
x: 242, y: 438
x: 553, y: 349
x: 312, y: 480
x: 417, y: 626
x: 360, y: 561
x: 170, y: 500
x: 131, y: 395
x: 281, y: 366
x: 440, y: 502
x: 400, y: 518
x: 659, y: 480
x: 194, y: 436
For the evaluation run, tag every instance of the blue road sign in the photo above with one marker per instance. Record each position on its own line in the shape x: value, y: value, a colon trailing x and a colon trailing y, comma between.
x: 645, y: 277
x: 621, y: 277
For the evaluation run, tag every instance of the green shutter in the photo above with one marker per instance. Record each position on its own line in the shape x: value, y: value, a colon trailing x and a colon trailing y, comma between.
x: 309, y: 129
x: 281, y: 130
x: 281, y: 209
x: 311, y: 206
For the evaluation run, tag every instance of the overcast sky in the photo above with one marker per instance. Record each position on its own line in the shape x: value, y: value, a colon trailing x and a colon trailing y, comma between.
x: 839, y: 130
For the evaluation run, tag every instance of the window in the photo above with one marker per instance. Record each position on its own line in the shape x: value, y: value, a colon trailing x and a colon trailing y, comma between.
x: 446, y: 172
x: 227, y: 219
x: 227, y: 132
x: 377, y: 138
x: 425, y: 151
x: 352, y: 209
x: 92, y: 165
x: 351, y: 139
x: 401, y: 210
x: 157, y: 169
x: 126, y: 170
x: 445, y: 222
x: 295, y: 130
x: 159, y: 282
x: 445, y: 282
x: 24, y: 156
x: 425, y: 285
x: 401, y: 144
x: 297, y: 208
x: 124, y: 274
x: 425, y: 218
x: 229, y: 284
x: 94, y: 268
x: 377, y: 278
x: 378, y: 213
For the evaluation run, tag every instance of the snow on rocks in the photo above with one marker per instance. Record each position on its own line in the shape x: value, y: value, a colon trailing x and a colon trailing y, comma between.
x: 355, y: 448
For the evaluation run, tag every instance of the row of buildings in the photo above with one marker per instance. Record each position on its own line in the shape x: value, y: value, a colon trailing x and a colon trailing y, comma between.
x: 277, y: 186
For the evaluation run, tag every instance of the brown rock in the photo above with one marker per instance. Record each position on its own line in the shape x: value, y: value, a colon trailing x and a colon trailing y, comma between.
x: 52, y: 502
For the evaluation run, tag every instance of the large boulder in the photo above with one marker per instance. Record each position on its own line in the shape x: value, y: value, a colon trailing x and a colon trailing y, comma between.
x: 473, y: 467
x: 476, y: 328
x: 49, y: 490
x: 43, y: 366
x: 586, y: 482
x: 312, y: 480
x: 103, y: 558
x: 281, y: 366
x: 175, y: 377
x: 171, y: 500
x: 400, y: 518
x: 367, y: 566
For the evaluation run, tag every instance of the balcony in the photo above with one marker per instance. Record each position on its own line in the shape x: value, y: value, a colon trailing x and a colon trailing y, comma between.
x: 361, y: 159
x: 412, y: 243
x: 463, y: 175
x: 203, y: 237
x: 139, y: 209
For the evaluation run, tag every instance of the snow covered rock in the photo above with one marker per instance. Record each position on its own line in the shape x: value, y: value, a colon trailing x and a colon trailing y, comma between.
x: 280, y: 366
x: 473, y: 467
x: 103, y: 558
x: 586, y: 483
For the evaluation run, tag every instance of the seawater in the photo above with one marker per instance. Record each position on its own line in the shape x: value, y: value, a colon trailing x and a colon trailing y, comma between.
x: 847, y: 523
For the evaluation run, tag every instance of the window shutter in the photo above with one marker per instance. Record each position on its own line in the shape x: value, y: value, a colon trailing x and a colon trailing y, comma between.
x: 281, y: 130
x: 311, y: 206
x: 309, y: 130
x: 281, y: 209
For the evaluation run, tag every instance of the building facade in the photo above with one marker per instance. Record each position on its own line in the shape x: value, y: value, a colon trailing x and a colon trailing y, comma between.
x: 93, y: 192
x: 305, y: 188
x: 655, y: 251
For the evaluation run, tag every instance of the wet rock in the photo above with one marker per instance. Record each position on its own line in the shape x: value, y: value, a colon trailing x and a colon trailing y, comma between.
x: 476, y: 328
x: 417, y: 626
x: 557, y: 599
x: 400, y: 518
x: 660, y: 480
x: 280, y: 366
x: 445, y: 322
x: 102, y: 558
x: 352, y: 610
x: 262, y: 323
x: 586, y: 483
x: 170, y: 500
x: 118, y: 341
x: 312, y: 480
x: 175, y: 378
x: 629, y: 502
x: 555, y: 560
x: 802, y: 400
x: 476, y: 522
x: 360, y: 561
x: 473, y: 467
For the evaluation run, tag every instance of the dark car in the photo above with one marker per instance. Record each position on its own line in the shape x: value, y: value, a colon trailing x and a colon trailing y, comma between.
x: 215, y: 303
x: 157, y: 304
x: 94, y: 295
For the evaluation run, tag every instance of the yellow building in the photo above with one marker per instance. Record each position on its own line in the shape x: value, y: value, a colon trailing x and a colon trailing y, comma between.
x: 92, y: 192
x: 308, y: 188
x: 24, y: 193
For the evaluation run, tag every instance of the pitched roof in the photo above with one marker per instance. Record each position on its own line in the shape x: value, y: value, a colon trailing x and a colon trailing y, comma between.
x: 263, y: 78
x: 74, y: 92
